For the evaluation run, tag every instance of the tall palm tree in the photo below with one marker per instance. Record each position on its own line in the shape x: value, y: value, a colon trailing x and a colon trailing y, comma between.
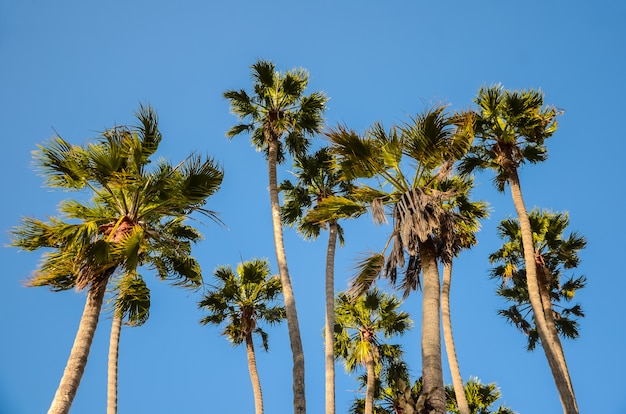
x: 245, y: 299
x: 358, y: 329
x: 480, y: 398
x: 511, y: 129
x: 463, y: 223
x: 131, y: 302
x: 554, y: 254
x: 411, y: 163
x: 279, y: 115
x: 317, y: 181
x: 134, y: 215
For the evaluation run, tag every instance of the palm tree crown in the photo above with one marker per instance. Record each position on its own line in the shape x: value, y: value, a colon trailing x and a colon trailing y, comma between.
x: 136, y: 216
x: 360, y: 326
x: 277, y: 109
x: 244, y: 298
x: 511, y: 128
x: 412, y: 164
x: 555, y: 254
x: 317, y: 180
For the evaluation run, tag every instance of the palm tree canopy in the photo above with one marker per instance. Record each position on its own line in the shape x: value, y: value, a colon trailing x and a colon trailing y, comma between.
x: 136, y: 215
x: 408, y: 169
x: 511, y: 128
x: 361, y: 325
x: 244, y: 299
x: 555, y: 254
x: 277, y: 109
x: 317, y: 181
x: 480, y: 398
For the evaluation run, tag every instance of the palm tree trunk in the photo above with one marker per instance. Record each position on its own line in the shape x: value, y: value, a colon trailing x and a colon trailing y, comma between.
x: 558, y: 368
x: 546, y: 301
x: 432, y: 371
x: 455, y: 372
x: 80, y: 351
x: 114, y: 345
x: 329, y: 325
x: 254, y: 375
x: 371, y: 385
x: 299, y: 399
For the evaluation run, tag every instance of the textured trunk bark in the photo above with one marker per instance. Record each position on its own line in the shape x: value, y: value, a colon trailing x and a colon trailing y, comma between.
x: 455, y: 372
x: 329, y: 325
x: 546, y: 302
x: 80, y: 351
x: 299, y: 399
x: 371, y: 385
x: 434, y: 400
x: 558, y: 368
x: 114, y: 346
x: 254, y: 375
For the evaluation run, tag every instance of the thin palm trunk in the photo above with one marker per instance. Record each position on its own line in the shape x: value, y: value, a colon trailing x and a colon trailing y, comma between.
x: 371, y: 384
x: 546, y: 301
x: 114, y: 346
x: 254, y: 375
x: 557, y: 366
x: 299, y: 400
x: 330, y: 319
x: 455, y: 372
x: 432, y: 371
x: 77, y: 360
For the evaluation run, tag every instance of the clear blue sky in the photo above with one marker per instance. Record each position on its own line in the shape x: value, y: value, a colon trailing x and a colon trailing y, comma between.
x: 80, y: 67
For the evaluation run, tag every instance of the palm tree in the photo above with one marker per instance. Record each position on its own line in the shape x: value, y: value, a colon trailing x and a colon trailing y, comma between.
x: 554, y: 253
x: 131, y: 302
x: 463, y: 223
x: 511, y: 129
x: 278, y: 115
x: 133, y: 217
x: 318, y: 181
x: 359, y: 325
x: 429, y: 144
x: 245, y: 299
x: 480, y: 398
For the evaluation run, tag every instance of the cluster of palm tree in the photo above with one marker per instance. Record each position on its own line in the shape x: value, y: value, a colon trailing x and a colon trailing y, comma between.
x: 418, y: 175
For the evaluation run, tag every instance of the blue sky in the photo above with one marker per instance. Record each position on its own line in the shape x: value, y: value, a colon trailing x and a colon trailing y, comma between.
x: 79, y: 67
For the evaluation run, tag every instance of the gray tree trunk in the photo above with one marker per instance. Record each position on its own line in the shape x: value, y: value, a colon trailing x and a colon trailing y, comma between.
x: 371, y: 385
x: 254, y: 375
x: 455, y: 372
x: 114, y: 346
x: 432, y: 371
x: 77, y: 360
x: 558, y: 367
x: 329, y: 325
x: 299, y: 398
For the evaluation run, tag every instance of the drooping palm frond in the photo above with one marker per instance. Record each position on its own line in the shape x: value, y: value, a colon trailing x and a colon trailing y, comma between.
x: 368, y: 270
x: 132, y: 299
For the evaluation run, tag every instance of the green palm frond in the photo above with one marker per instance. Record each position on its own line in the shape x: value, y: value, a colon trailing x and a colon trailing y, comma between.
x: 62, y: 164
x: 367, y: 271
x: 132, y: 299
x: 511, y: 129
x: 334, y: 208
